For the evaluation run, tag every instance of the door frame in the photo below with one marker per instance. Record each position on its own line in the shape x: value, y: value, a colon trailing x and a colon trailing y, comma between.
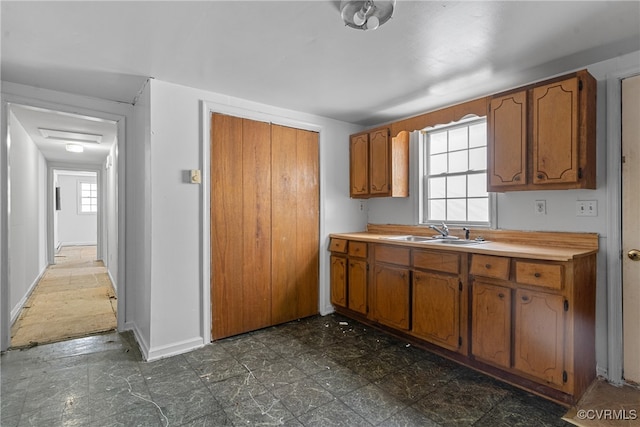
x: 120, y: 120
x: 208, y: 108
x: 614, y: 369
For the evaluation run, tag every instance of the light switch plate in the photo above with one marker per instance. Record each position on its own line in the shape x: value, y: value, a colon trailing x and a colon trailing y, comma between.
x: 587, y: 208
x: 196, y: 177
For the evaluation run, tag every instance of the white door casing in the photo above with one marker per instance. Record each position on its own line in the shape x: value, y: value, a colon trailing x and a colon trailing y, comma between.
x: 631, y: 228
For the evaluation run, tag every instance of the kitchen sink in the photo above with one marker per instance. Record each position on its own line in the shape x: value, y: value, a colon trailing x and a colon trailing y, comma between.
x: 460, y: 241
x: 414, y: 239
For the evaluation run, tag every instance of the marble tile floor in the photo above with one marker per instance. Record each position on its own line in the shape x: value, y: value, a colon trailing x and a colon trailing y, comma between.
x: 320, y: 371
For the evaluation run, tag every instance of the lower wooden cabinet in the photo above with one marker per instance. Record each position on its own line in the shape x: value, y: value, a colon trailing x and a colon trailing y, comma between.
x: 491, y: 324
x: 349, y: 268
x: 436, y: 309
x: 390, y: 296
x: 528, y: 321
x: 539, y: 336
x: 338, y: 269
x: 357, y: 300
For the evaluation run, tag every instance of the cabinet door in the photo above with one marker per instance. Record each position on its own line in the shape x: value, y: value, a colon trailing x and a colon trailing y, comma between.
x: 338, y: 281
x: 555, y: 132
x: 507, y: 141
x: 359, y: 165
x: 380, y: 163
x: 436, y: 309
x: 390, y: 296
x: 539, y: 335
x: 491, y: 324
x: 357, y: 286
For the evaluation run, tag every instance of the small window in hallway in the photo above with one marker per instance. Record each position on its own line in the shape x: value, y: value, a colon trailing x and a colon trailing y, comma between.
x: 88, y: 197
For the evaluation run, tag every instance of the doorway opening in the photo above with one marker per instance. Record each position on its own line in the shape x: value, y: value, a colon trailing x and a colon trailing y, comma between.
x: 63, y: 225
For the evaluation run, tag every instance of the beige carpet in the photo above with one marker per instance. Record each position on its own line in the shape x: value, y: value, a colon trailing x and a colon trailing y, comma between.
x: 74, y: 298
x: 604, y: 405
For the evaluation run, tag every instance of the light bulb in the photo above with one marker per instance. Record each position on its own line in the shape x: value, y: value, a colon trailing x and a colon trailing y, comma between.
x: 372, y: 23
x: 359, y: 18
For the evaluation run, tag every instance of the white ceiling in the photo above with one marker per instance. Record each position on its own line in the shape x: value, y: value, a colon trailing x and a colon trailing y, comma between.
x: 299, y: 55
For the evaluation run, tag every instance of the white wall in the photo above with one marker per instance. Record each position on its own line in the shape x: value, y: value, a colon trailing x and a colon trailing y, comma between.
x: 138, y: 222
x: 179, y: 301
x: 75, y: 228
x: 515, y: 209
x: 27, y: 219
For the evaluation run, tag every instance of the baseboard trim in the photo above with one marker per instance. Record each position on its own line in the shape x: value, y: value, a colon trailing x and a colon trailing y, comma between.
x: 15, y: 312
x: 62, y: 244
x: 174, y: 349
x: 142, y: 343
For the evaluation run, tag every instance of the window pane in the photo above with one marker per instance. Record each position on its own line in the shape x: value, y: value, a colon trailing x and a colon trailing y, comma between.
x: 478, y: 159
x: 478, y: 135
x: 477, y: 185
x: 458, y: 161
x: 456, y: 210
x: 455, y: 173
x: 479, y: 209
x: 437, y: 188
x: 457, y: 186
x: 437, y: 210
x: 86, y: 193
x: 438, y: 142
x: 458, y: 139
x: 438, y: 164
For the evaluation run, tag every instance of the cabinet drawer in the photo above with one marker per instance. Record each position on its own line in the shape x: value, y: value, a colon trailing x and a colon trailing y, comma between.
x: 358, y: 249
x: 490, y: 266
x: 533, y: 273
x: 438, y: 261
x: 338, y: 245
x: 392, y: 254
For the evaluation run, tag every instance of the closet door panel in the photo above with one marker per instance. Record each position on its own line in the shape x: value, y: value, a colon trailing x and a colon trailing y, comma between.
x: 295, y: 207
x: 256, y: 225
x: 226, y: 226
x: 308, y: 229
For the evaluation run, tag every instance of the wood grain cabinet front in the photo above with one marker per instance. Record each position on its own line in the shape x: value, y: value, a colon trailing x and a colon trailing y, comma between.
x: 491, y: 323
x: 543, y: 136
x: 349, y: 274
x: 379, y: 164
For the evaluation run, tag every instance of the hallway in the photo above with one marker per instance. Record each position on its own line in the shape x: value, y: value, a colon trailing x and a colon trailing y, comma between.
x: 74, y: 298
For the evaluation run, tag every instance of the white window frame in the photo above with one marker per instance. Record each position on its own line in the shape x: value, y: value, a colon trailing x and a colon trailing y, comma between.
x: 423, y: 213
x: 80, y: 197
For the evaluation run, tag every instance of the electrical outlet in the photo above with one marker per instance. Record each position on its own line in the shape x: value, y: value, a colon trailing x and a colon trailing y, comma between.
x: 540, y: 207
x: 587, y: 208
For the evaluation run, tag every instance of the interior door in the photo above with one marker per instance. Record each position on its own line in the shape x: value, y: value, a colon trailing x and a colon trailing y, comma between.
x: 631, y: 227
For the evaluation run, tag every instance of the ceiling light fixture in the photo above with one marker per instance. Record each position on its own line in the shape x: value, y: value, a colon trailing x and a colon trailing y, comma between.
x: 366, y: 15
x: 74, y: 148
x: 65, y: 135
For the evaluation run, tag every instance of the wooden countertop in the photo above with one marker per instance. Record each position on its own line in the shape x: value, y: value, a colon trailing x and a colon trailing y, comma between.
x: 492, y: 247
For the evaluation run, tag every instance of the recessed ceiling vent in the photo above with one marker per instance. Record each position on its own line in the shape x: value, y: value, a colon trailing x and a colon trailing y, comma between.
x: 70, y: 136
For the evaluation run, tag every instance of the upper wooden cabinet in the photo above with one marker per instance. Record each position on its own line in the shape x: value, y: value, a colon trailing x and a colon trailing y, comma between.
x: 379, y: 164
x: 543, y: 136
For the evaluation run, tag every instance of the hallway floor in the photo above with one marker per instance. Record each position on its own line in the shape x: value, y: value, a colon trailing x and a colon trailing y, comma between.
x: 321, y: 371
x: 74, y: 298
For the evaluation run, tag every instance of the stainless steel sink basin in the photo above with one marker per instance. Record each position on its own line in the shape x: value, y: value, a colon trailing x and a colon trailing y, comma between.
x: 460, y: 242
x: 414, y: 239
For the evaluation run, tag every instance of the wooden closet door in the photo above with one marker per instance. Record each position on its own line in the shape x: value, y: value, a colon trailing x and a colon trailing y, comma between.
x: 240, y: 225
x: 295, y: 223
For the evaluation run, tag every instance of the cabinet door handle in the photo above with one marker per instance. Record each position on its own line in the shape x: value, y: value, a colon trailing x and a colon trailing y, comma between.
x: 536, y: 274
x: 540, y: 176
x: 487, y: 266
x: 501, y: 295
x: 525, y: 298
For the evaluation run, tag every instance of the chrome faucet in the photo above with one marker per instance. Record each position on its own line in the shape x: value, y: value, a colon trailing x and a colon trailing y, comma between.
x: 444, y: 230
